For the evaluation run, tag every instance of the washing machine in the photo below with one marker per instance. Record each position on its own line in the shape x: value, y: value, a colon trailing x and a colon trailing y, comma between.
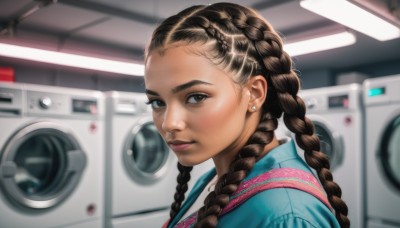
x: 337, y: 114
x: 382, y: 108
x: 141, y: 170
x: 51, y: 157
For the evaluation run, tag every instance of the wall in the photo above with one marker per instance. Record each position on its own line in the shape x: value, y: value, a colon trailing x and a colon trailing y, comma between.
x: 330, y: 77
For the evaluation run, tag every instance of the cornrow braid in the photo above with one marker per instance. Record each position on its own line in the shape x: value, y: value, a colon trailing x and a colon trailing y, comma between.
x: 168, y: 27
x: 212, y: 31
x: 227, y: 46
x: 286, y: 83
x: 181, y: 188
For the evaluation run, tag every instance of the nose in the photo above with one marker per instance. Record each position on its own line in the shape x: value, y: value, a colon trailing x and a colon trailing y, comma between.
x: 173, y: 119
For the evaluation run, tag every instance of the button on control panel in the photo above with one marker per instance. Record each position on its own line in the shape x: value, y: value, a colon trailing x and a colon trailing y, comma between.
x: 45, y: 102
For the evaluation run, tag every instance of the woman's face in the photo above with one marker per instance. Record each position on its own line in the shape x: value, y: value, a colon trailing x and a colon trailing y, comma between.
x: 197, y: 108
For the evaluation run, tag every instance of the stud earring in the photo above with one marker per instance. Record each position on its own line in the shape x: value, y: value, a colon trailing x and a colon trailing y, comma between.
x: 253, y: 108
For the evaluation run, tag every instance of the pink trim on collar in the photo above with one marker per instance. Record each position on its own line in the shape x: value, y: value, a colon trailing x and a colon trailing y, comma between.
x: 275, y: 178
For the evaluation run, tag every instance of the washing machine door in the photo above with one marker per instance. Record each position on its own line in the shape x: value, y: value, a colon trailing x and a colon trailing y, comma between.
x: 41, y: 165
x: 146, y: 156
x: 330, y: 142
x: 389, y: 152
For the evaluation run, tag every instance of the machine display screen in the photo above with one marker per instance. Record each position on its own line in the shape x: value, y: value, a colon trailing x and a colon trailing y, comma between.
x: 5, y: 100
x: 341, y: 101
x: 84, y: 106
x: 376, y: 92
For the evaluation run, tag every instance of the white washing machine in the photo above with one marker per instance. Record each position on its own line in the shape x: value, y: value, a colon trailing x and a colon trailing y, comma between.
x: 382, y: 107
x: 141, y: 171
x: 338, y: 118
x: 51, y: 158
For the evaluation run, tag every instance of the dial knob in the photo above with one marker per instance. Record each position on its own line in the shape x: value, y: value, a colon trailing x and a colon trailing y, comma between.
x: 45, y: 102
x: 311, y: 103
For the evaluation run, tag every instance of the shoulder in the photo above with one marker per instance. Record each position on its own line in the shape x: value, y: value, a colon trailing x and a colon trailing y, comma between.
x: 281, y: 207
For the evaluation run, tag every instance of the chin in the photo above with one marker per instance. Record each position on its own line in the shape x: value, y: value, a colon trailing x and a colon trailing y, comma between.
x: 187, y: 161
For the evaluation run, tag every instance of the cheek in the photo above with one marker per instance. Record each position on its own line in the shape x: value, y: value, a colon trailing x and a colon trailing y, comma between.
x: 219, y: 115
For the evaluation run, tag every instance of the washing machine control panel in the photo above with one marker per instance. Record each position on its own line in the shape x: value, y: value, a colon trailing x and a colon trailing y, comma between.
x: 131, y: 106
x: 48, y: 103
x: 60, y: 104
x: 324, y: 103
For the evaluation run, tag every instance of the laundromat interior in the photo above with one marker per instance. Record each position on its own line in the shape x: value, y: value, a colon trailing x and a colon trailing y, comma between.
x: 78, y: 146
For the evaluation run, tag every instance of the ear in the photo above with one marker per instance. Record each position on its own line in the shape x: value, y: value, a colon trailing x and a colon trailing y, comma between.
x: 257, y: 86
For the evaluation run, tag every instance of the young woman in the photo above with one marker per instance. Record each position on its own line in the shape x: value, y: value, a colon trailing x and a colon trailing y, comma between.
x: 218, y: 79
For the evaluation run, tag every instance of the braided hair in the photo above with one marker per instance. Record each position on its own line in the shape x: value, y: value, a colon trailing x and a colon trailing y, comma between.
x: 238, y: 40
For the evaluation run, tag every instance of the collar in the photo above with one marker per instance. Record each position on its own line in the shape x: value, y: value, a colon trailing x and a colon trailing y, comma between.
x: 285, y: 151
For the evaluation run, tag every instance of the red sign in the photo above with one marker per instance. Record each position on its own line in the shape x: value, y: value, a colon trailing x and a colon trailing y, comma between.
x: 7, y: 74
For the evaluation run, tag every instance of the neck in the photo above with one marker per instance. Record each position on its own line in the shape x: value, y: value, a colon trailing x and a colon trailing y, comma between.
x: 222, y: 164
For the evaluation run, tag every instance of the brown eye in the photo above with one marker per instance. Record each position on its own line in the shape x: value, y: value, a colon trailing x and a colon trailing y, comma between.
x: 196, y: 98
x: 155, y: 104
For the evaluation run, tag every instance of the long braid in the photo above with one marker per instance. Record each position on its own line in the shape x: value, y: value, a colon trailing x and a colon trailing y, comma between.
x: 286, y: 83
x: 181, y: 188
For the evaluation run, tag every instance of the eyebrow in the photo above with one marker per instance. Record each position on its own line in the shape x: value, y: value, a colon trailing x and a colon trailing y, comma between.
x: 182, y: 87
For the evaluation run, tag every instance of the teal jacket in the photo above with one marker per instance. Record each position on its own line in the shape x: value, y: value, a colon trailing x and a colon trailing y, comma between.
x: 278, y: 207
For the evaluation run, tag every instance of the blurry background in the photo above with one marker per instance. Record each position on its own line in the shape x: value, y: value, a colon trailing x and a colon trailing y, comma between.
x: 122, y: 173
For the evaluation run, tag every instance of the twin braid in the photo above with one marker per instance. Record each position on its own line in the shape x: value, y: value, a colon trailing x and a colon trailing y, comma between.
x: 182, y: 186
x: 286, y: 84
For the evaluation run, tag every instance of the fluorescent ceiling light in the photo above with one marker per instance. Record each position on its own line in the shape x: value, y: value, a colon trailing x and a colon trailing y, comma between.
x: 322, y: 43
x: 127, y: 68
x: 354, y: 17
x: 72, y: 60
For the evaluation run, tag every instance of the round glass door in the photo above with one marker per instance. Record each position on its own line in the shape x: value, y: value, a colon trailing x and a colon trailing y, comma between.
x: 41, y: 165
x: 390, y: 152
x: 146, y: 154
x: 39, y: 160
x: 330, y: 143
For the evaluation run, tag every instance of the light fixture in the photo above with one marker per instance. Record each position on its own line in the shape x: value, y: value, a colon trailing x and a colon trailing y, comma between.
x: 354, y: 17
x: 300, y: 47
x: 66, y: 59
x: 321, y: 43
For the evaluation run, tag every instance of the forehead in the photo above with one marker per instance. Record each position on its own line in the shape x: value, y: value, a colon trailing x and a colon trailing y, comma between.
x: 170, y: 60
x: 179, y: 65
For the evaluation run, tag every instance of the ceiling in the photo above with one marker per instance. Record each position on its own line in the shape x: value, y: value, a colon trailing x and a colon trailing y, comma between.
x: 120, y: 29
